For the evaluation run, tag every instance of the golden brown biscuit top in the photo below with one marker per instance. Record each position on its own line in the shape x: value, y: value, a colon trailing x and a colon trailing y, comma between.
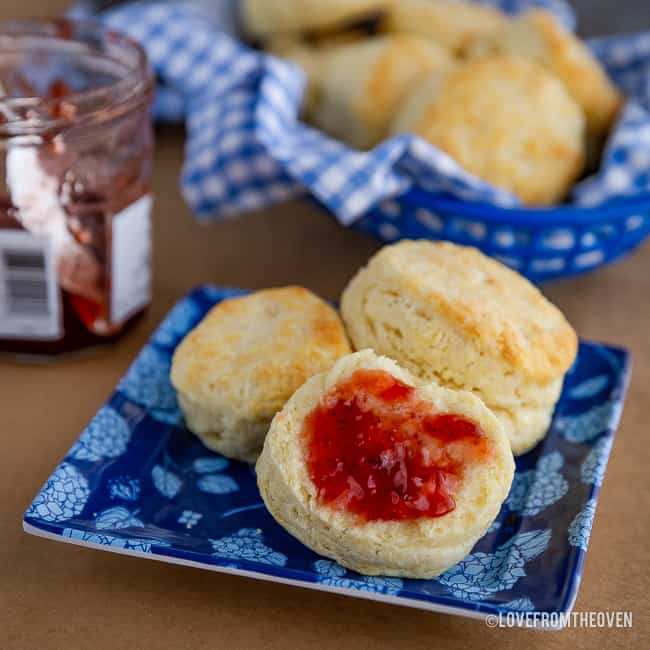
x: 577, y: 67
x: 256, y: 350
x: 506, y: 119
x: 537, y: 34
x: 502, y: 313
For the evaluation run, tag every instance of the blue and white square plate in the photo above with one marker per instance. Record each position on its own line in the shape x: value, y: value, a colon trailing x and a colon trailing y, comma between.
x: 137, y: 482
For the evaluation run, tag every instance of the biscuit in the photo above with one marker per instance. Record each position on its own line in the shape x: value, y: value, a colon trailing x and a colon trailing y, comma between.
x: 505, y: 119
x: 386, y: 513
x: 526, y: 423
x: 453, y: 24
x: 361, y: 85
x: 450, y: 314
x: 537, y: 35
x: 261, y: 18
x: 237, y: 368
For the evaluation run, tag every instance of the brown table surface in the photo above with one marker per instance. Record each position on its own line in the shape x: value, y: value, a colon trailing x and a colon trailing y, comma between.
x: 60, y: 596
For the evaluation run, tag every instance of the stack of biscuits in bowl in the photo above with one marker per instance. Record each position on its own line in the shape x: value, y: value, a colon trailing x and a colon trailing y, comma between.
x: 519, y: 101
x: 384, y: 437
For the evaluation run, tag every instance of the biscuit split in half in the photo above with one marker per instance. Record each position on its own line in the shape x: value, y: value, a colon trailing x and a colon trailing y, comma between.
x: 450, y: 314
x: 384, y: 473
x: 238, y: 367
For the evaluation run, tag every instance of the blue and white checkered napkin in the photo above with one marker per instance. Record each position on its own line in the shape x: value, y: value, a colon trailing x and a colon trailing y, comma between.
x: 246, y: 147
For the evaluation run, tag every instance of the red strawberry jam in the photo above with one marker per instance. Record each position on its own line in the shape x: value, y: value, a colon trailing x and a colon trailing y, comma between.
x: 378, y: 451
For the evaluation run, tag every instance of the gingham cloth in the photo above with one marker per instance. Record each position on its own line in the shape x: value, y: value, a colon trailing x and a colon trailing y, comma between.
x: 246, y: 147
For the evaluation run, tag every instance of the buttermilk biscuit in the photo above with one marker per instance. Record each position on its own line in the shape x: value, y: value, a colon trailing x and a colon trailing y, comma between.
x: 449, y: 313
x: 454, y: 24
x: 237, y: 368
x: 361, y: 85
x: 536, y: 34
x: 262, y: 18
x: 416, y: 546
x: 506, y: 120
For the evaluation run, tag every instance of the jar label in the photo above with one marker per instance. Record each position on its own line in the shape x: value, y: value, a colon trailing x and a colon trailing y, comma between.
x: 131, y: 259
x: 30, y: 307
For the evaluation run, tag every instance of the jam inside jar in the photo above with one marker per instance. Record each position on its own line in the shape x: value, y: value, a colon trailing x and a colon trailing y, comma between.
x: 76, y: 143
x: 376, y: 450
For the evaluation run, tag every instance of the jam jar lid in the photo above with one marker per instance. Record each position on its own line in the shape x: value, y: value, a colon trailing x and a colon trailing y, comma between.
x: 61, y: 74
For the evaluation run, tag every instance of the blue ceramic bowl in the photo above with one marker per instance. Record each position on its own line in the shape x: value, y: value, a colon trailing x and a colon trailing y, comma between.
x: 540, y: 243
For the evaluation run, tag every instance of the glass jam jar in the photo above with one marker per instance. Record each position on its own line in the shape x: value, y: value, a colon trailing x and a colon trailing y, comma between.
x: 76, y: 144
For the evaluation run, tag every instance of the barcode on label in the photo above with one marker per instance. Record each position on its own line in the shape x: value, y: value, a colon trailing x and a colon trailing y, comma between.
x: 26, y: 280
x: 29, y: 306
